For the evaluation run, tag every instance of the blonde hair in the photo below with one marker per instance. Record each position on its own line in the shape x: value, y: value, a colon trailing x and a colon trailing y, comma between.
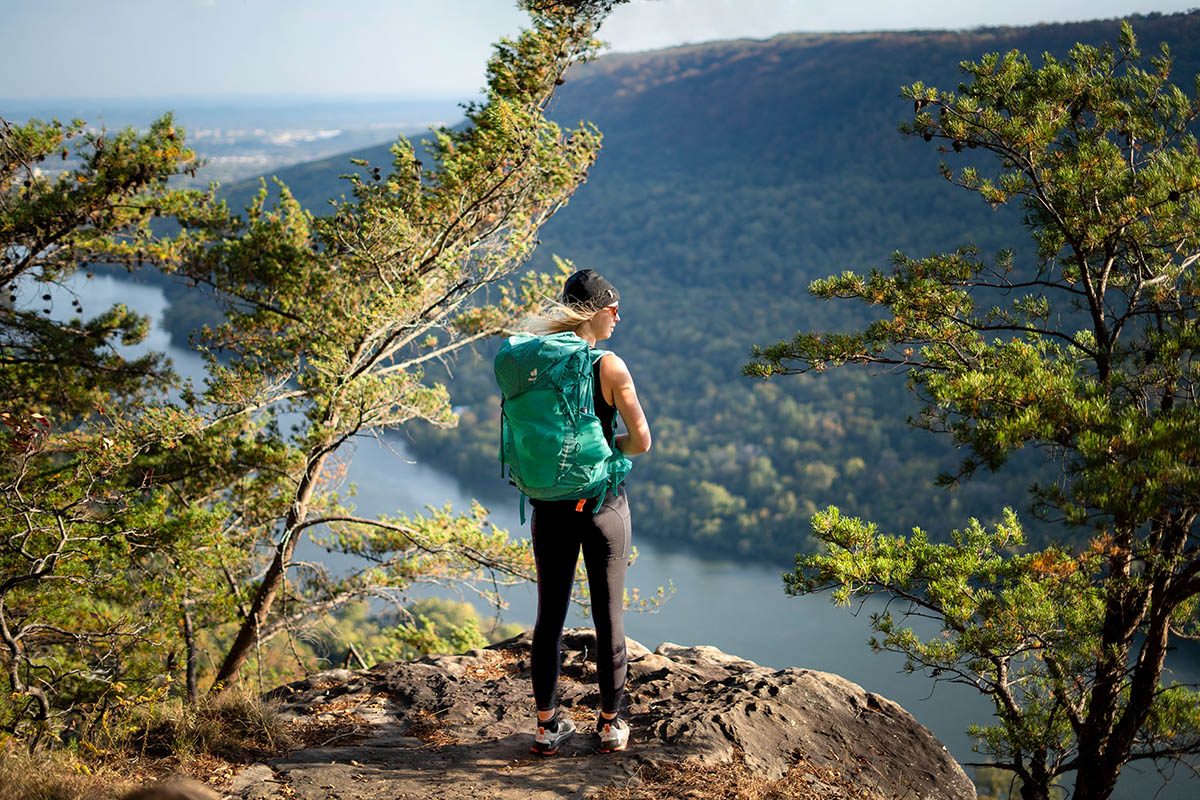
x: 558, y: 318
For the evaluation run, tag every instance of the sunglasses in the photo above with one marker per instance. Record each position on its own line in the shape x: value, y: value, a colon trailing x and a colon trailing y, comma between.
x: 612, y: 310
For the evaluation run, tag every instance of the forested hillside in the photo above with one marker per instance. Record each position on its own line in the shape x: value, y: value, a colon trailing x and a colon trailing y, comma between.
x: 732, y: 174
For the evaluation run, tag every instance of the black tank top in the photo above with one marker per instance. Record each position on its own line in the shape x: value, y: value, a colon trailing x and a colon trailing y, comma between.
x: 604, y: 411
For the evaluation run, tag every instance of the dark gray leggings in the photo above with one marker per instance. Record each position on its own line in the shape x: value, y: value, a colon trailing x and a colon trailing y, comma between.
x: 559, y: 531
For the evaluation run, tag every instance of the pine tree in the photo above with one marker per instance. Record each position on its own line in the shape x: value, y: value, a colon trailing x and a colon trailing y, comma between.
x: 1087, y: 352
x: 331, y: 319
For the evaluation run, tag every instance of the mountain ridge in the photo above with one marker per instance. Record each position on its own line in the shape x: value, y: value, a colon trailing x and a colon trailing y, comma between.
x: 732, y: 174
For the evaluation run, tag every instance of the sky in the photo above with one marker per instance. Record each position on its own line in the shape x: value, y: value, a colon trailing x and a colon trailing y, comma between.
x: 404, y: 48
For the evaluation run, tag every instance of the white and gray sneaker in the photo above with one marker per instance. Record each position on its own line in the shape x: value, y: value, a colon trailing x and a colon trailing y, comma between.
x: 613, y: 733
x: 550, y: 735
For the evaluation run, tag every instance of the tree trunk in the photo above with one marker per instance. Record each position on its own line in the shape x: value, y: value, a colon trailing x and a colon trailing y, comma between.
x: 260, y: 609
x: 1100, y: 768
x: 189, y: 640
x: 1096, y: 782
x: 1095, y: 774
x: 16, y: 655
x: 1097, y: 777
x: 1033, y: 791
x: 1036, y: 782
x: 1115, y: 641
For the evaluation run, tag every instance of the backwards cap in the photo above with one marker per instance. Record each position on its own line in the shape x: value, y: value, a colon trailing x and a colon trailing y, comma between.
x: 588, y: 289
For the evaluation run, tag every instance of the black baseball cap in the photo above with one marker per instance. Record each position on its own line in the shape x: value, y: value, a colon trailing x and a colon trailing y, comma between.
x: 588, y: 289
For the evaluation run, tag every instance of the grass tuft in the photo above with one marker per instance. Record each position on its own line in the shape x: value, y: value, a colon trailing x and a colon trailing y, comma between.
x: 58, y: 776
x: 206, y: 739
x: 236, y: 725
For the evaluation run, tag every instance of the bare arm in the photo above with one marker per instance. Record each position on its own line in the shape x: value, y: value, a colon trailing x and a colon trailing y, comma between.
x: 617, y: 385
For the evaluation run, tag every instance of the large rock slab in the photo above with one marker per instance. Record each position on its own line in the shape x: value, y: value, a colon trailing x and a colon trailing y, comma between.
x: 460, y: 727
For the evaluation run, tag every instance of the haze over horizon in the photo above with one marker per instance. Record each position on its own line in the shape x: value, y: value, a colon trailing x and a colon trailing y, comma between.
x: 402, y: 49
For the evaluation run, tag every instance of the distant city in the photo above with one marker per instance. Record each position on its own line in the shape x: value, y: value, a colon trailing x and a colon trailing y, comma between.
x: 242, y: 137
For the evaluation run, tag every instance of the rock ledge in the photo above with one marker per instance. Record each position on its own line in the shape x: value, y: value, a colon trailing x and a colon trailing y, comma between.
x: 460, y: 727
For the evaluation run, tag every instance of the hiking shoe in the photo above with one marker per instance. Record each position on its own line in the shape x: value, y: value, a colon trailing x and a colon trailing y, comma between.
x: 613, y: 733
x: 552, y: 734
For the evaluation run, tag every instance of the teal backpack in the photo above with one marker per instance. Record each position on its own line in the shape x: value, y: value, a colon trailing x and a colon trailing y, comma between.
x: 550, y: 437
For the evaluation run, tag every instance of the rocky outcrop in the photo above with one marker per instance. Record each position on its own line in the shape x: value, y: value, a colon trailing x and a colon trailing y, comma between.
x: 460, y: 726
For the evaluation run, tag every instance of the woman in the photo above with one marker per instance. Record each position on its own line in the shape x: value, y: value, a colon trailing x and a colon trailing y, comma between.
x: 561, y: 528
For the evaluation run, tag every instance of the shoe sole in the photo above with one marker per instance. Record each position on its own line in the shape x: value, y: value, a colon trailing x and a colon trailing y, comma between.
x: 541, y: 752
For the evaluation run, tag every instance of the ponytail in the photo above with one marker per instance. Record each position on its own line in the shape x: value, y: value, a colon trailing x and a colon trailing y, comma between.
x: 558, y: 318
